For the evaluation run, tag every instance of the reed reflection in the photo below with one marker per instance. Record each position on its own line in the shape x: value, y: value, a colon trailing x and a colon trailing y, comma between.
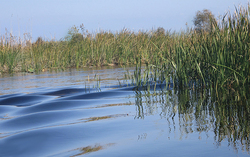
x: 202, y: 111
x: 91, y: 149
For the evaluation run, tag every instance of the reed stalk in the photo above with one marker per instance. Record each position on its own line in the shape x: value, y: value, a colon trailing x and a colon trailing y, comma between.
x: 218, y: 58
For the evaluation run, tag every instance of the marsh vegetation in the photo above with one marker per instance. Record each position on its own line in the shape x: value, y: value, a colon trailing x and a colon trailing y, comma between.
x: 213, y: 54
x: 191, y: 85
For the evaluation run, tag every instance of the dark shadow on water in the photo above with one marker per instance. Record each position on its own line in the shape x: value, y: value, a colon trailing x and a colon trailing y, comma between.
x: 25, y: 100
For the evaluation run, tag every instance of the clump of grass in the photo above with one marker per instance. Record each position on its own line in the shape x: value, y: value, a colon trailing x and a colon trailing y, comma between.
x: 216, y: 59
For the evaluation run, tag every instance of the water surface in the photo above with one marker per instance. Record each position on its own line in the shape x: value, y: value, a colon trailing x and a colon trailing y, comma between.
x: 72, y: 113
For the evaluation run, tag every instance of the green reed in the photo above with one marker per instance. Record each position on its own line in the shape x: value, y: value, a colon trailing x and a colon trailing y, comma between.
x: 215, y: 59
x: 80, y: 50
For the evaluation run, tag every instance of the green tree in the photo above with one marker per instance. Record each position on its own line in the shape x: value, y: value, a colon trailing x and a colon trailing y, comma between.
x: 203, y: 21
x: 74, y: 35
x: 160, y: 31
x: 39, y: 41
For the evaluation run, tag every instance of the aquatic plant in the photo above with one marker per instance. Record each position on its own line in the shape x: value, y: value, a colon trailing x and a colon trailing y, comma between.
x: 218, y: 58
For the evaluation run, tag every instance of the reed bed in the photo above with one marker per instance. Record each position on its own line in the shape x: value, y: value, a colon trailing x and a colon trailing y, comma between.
x: 218, y: 58
x: 77, y: 51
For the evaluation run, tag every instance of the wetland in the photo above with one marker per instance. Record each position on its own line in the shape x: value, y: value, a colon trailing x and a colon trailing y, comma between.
x: 146, y: 93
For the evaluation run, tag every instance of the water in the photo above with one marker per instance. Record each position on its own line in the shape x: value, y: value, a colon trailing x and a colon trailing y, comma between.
x: 68, y: 114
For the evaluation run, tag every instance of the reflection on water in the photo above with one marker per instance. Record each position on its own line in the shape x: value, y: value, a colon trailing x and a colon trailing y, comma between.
x: 70, y: 119
x: 90, y: 149
x: 30, y: 83
x: 197, y: 112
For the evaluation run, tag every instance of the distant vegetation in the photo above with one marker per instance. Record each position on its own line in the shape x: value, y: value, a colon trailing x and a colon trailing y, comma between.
x: 214, y: 53
x: 203, y: 21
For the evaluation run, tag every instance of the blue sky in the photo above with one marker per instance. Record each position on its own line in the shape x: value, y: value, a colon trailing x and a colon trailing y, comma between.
x: 53, y: 18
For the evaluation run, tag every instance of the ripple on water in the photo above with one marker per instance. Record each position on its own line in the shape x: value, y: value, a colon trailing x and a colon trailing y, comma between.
x: 111, y: 121
x: 25, y: 100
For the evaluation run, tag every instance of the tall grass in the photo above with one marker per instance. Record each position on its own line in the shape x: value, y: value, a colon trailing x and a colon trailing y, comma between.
x: 219, y: 58
x: 103, y: 48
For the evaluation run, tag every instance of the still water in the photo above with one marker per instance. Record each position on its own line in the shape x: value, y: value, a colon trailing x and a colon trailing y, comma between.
x: 94, y: 112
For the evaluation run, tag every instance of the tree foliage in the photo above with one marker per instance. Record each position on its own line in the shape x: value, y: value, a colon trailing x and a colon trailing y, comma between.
x: 39, y: 41
x: 203, y: 21
x: 160, y: 31
x: 74, y: 35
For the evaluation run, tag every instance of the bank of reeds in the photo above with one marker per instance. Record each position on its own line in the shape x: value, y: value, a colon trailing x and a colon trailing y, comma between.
x: 216, y: 59
x: 79, y: 50
x: 219, y: 58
